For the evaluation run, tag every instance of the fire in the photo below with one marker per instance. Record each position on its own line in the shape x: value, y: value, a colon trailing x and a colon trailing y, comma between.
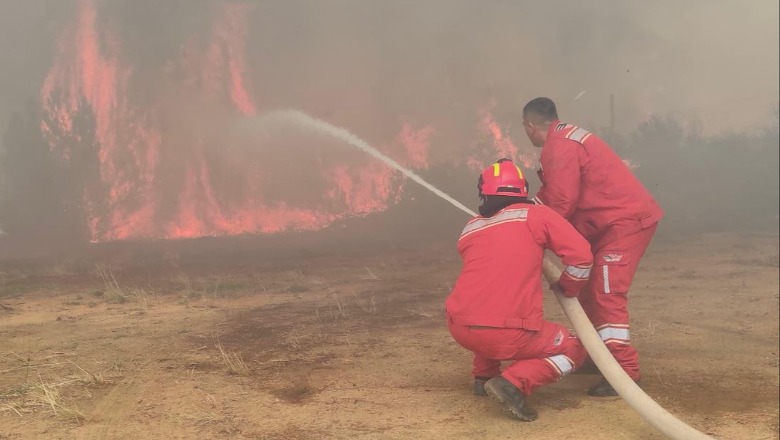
x: 503, y: 145
x: 161, y: 167
x: 89, y: 78
x: 416, y: 143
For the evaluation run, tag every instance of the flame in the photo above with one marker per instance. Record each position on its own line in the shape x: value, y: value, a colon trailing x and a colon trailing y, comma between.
x: 501, y: 145
x: 90, y: 75
x: 152, y: 182
x: 416, y: 143
x: 504, y: 147
x: 158, y: 167
x: 222, y: 66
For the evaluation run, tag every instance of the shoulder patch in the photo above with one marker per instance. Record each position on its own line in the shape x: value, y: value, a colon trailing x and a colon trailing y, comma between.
x: 560, y: 126
x: 504, y: 216
x: 578, y: 134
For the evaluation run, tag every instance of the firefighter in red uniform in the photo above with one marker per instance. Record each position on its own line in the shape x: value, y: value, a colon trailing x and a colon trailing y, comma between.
x: 588, y: 184
x: 495, y: 309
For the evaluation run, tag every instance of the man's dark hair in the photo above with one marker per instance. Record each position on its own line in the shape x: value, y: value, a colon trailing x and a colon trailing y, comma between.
x: 492, y: 204
x: 543, y: 107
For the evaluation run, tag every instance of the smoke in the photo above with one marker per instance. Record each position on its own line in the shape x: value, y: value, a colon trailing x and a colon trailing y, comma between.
x: 135, y: 97
x: 306, y: 121
x: 716, y: 60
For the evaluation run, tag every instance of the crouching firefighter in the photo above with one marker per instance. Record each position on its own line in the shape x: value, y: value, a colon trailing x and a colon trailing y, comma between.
x: 495, y: 309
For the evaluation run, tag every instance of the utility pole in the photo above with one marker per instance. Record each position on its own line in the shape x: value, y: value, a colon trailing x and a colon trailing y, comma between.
x: 612, y: 114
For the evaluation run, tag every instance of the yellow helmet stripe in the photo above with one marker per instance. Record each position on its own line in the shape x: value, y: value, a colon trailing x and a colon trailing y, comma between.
x: 519, y: 172
x: 496, y: 169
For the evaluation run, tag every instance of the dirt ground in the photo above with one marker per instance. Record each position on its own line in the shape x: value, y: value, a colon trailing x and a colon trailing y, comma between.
x: 355, y: 346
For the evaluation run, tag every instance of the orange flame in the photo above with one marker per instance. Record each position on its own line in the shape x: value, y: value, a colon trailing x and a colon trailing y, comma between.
x: 88, y: 75
x: 416, y: 143
x: 156, y: 183
x: 503, y: 145
x: 164, y: 171
x: 496, y: 144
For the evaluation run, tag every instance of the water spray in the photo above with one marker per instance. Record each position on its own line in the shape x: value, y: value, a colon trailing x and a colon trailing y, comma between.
x: 319, y: 126
x: 645, y: 406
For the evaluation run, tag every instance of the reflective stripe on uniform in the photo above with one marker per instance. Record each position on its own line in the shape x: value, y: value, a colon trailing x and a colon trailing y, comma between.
x: 612, y: 333
x: 605, y: 271
x: 537, y: 201
x: 562, y: 363
x: 510, y: 215
x: 580, y: 273
x: 578, y: 135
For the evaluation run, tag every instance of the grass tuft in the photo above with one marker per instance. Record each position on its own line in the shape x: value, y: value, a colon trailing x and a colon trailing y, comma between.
x: 233, y: 361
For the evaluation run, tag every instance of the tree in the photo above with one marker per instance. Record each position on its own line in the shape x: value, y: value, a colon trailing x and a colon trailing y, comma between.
x: 39, y: 203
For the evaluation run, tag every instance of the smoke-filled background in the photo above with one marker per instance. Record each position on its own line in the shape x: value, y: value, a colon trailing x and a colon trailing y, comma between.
x: 131, y: 119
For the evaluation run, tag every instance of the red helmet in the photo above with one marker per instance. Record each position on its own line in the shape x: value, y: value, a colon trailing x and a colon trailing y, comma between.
x: 503, y: 178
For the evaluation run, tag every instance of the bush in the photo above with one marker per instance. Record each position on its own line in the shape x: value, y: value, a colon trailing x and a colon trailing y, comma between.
x: 716, y: 183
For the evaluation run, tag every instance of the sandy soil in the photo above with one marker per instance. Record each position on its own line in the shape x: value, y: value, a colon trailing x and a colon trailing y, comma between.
x: 317, y: 347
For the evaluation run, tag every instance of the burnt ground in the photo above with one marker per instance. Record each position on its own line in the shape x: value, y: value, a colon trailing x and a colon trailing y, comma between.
x: 352, y: 344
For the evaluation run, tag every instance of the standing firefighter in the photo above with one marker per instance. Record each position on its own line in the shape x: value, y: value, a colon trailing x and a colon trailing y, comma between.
x: 588, y: 184
x: 495, y: 309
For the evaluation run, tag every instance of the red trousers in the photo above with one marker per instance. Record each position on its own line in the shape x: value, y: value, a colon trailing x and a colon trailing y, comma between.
x: 540, y: 357
x: 605, y: 299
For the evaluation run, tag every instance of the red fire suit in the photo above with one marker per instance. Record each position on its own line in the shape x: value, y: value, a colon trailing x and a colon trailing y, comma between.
x: 495, y: 308
x: 588, y: 184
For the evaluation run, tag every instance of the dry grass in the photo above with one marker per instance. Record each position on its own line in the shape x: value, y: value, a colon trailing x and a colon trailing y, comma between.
x: 186, y: 284
x: 202, y: 418
x: 300, y: 338
x: 338, y: 308
x: 367, y: 305
x: 223, y: 284
x: 46, y: 383
x: 226, y: 424
x: 140, y: 295
x: 233, y: 361
x: 295, y: 275
x: 113, y: 291
x: 48, y: 395
x: 13, y: 399
x: 10, y: 407
x: 195, y: 289
x: 370, y: 275
x: 341, y: 308
x: 88, y: 378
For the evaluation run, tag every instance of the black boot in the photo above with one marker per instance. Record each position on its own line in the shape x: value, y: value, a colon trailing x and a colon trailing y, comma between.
x: 511, y: 399
x: 479, y: 385
x: 603, y: 389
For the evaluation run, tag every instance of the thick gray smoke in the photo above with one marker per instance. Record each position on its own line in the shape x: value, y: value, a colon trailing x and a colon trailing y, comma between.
x: 713, y: 61
x: 369, y: 66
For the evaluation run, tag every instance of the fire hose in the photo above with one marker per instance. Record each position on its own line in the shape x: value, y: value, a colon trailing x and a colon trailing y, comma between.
x: 647, y: 408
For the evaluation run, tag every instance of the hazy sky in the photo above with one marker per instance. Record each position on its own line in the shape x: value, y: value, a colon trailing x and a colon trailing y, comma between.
x: 713, y: 60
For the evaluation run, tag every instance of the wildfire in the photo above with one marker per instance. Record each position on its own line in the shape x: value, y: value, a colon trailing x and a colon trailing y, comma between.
x: 504, y: 147
x: 159, y: 167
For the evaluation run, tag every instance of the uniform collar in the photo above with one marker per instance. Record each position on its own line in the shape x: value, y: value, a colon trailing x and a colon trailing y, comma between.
x: 551, y: 128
